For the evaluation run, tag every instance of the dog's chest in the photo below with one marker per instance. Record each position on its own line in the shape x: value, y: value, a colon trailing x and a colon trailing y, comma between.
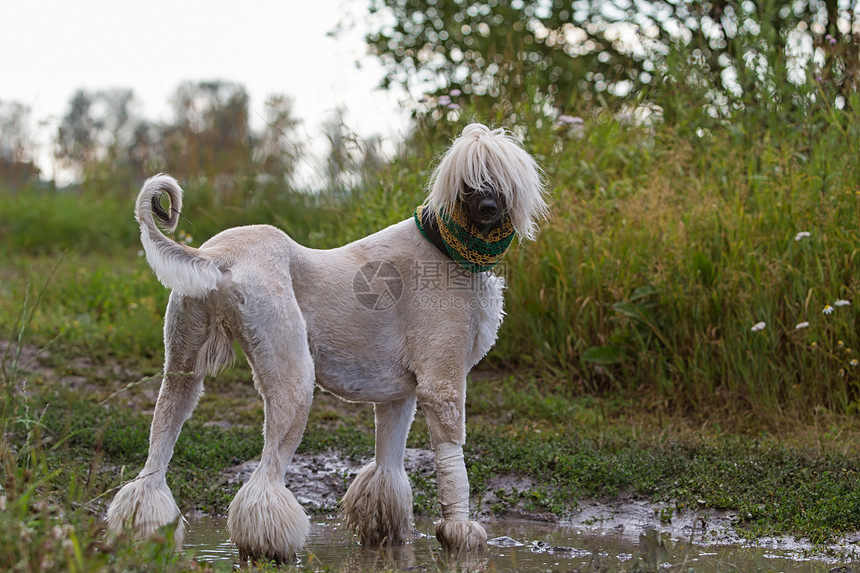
x: 360, y: 371
x: 359, y: 382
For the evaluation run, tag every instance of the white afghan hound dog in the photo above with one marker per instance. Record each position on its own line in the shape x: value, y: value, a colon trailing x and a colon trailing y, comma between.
x: 395, y: 318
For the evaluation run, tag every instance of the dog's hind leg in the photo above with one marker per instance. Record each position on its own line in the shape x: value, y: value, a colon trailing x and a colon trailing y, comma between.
x: 146, y: 503
x: 444, y: 404
x: 265, y: 520
x: 378, y: 504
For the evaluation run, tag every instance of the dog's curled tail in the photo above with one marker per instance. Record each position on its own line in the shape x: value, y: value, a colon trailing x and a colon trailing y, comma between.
x: 177, y: 266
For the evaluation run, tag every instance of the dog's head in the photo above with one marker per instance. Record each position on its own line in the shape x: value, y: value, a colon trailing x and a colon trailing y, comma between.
x: 484, y: 206
x: 490, y: 176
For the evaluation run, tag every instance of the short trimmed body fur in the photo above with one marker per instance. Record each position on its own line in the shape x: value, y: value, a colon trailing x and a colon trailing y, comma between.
x: 299, y: 318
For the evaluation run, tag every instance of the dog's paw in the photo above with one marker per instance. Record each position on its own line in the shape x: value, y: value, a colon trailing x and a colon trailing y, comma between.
x: 145, y: 506
x: 457, y: 535
x: 266, y: 522
x: 378, y: 505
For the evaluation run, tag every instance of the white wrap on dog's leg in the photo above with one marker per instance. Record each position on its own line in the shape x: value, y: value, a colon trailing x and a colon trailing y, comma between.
x: 453, y: 481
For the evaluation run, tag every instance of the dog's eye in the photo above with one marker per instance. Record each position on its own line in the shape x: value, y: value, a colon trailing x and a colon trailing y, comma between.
x: 484, y: 190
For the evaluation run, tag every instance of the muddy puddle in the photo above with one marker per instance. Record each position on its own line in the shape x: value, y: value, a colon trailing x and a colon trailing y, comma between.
x: 516, y: 545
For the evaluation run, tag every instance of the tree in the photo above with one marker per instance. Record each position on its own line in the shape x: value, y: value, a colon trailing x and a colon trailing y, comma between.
x: 211, y: 136
x: 351, y: 158
x: 565, y: 53
x: 97, y: 129
x: 501, y: 49
x: 104, y: 144
x: 146, y: 150
x: 278, y: 150
x: 16, y: 146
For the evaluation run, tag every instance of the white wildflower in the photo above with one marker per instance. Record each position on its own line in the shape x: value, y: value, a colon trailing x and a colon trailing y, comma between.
x: 800, y: 325
x: 802, y: 235
x: 827, y: 309
x: 758, y: 326
x: 842, y: 302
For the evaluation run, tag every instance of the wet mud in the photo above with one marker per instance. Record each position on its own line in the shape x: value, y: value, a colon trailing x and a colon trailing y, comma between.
x: 597, y: 535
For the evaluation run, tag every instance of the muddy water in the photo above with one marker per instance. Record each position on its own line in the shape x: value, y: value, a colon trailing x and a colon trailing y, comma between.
x: 516, y: 545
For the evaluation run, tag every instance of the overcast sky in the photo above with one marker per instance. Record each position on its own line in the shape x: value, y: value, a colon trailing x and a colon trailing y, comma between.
x: 51, y: 48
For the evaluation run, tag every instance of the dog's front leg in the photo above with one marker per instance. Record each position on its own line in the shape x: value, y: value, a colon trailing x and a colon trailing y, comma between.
x: 444, y: 407
x: 378, y: 504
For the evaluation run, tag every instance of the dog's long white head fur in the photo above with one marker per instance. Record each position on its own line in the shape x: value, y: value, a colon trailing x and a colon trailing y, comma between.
x: 482, y: 157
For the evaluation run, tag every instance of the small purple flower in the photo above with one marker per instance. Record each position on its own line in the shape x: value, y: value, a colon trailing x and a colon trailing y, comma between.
x: 444, y: 100
x: 455, y: 93
x: 569, y: 120
x: 830, y: 39
x: 453, y: 106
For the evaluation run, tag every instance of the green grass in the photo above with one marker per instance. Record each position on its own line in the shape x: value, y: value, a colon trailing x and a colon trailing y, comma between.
x: 776, y: 490
x: 797, y: 480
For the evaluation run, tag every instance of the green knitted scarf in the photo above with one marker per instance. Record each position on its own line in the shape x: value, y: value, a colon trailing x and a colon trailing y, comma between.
x: 466, y: 245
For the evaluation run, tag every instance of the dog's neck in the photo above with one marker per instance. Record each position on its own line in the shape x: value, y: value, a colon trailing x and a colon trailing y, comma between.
x: 462, y: 242
x: 429, y: 227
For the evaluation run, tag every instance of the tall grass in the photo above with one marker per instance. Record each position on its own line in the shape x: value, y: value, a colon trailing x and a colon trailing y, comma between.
x: 664, y: 251
x: 667, y: 244
x: 49, y: 513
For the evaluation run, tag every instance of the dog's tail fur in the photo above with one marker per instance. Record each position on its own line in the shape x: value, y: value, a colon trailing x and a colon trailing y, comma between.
x: 177, y: 266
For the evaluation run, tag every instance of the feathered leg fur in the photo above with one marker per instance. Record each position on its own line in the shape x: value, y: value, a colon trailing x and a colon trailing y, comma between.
x: 378, y: 504
x: 146, y: 502
x: 264, y: 519
x: 444, y: 405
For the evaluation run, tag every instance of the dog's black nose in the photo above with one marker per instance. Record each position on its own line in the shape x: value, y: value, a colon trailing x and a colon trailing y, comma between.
x: 488, y: 208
